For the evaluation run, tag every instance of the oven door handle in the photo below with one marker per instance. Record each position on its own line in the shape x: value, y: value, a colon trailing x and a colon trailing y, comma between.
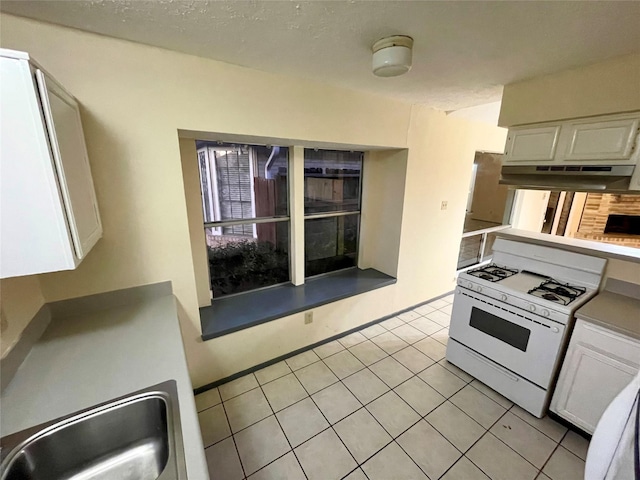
x: 501, y: 370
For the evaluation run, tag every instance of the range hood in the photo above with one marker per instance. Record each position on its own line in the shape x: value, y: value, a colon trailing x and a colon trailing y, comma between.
x: 592, y: 154
x: 580, y: 178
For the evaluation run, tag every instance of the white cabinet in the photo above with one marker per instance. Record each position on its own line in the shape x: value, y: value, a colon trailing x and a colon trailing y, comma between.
x: 538, y: 143
x: 598, y: 365
x: 607, y: 140
x: 49, y: 216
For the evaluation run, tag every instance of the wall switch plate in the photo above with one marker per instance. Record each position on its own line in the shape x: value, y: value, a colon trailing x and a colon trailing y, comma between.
x: 443, y: 205
x: 308, y: 317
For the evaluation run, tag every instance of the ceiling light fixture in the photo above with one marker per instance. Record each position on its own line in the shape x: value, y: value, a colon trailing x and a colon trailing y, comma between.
x: 392, y: 56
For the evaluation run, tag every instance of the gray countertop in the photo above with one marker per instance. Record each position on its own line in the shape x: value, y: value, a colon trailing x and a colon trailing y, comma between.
x: 617, y: 307
x: 95, y: 357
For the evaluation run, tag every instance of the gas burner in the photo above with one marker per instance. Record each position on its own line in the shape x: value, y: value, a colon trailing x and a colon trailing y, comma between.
x: 492, y: 272
x: 557, y: 292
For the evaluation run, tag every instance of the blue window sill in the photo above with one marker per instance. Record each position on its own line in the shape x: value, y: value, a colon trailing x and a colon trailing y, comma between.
x: 232, y: 314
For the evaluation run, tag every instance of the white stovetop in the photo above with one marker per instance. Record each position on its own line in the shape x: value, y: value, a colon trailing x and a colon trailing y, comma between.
x: 520, y: 284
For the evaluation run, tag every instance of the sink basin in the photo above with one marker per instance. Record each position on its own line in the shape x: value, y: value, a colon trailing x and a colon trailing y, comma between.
x: 136, y: 437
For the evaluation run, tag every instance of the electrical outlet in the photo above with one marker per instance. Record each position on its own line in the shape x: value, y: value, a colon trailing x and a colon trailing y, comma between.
x: 308, y: 317
x: 443, y: 205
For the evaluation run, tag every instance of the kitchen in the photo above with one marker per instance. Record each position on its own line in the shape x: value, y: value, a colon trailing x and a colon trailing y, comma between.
x: 141, y: 187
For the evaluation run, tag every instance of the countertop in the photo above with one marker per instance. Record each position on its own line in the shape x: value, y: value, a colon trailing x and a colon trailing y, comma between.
x: 94, y: 357
x: 577, y: 245
x: 617, y: 308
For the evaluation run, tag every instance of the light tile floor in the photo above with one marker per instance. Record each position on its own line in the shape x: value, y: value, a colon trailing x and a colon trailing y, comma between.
x: 383, y: 404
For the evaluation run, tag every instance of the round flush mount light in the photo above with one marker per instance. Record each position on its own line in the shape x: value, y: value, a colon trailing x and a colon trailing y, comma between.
x: 392, y: 56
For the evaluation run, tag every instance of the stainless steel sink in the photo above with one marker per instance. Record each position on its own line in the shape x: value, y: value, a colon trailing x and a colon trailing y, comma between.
x: 136, y: 437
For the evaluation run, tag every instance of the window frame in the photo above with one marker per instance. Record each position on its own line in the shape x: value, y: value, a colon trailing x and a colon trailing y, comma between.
x: 213, y: 189
x: 339, y: 213
x: 296, y: 215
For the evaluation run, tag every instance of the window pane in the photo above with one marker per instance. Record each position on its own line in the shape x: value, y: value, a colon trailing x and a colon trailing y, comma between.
x: 242, y: 181
x: 330, y: 244
x: 471, y: 250
x: 331, y: 180
x: 248, y: 256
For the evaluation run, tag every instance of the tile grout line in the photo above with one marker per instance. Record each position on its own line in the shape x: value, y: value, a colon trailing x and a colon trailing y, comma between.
x: 537, y: 429
x: 547, y: 461
x: 422, y: 417
x: 393, y: 439
x: 324, y: 388
x: 359, y: 465
x: 481, y: 437
x: 347, y: 348
x: 358, y: 330
x: 284, y: 434
x: 558, y: 446
x: 465, y: 413
x: 328, y: 422
x: 521, y: 456
x: 233, y: 439
x: 539, y: 470
x: 339, y: 380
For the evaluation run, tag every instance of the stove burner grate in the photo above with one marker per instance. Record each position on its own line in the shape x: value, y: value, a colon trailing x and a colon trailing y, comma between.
x: 557, y: 292
x: 492, y: 272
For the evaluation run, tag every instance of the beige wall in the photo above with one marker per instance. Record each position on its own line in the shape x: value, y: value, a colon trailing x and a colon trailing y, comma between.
x: 135, y: 98
x: 382, y: 206
x: 20, y: 300
x: 529, y: 208
x: 441, y: 153
x: 489, y: 198
x: 607, y: 87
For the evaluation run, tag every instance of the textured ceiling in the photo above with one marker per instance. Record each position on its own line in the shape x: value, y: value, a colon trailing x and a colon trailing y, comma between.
x: 464, y: 51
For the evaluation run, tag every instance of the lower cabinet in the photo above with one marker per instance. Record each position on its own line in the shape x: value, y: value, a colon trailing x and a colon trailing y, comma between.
x: 599, y: 364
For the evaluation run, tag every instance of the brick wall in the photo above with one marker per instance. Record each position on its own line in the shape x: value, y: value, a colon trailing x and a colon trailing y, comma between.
x: 594, y: 217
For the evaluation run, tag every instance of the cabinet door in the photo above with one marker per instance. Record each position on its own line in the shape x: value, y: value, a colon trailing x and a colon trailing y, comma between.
x: 592, y: 381
x: 598, y: 365
x: 604, y: 140
x: 534, y: 143
x: 62, y: 116
x: 34, y: 234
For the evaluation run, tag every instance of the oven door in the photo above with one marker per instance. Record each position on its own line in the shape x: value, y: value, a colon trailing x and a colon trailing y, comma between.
x: 521, y: 342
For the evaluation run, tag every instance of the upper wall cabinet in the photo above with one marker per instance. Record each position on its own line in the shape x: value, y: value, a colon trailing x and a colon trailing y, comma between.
x: 600, y: 140
x: 49, y: 217
x: 537, y: 143
x: 607, y: 140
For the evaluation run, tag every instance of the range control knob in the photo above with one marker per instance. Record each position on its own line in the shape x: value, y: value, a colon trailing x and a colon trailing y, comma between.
x: 555, y: 329
x: 458, y: 291
x: 503, y: 297
x: 479, y: 288
x: 532, y: 308
x: 545, y: 312
x: 470, y: 285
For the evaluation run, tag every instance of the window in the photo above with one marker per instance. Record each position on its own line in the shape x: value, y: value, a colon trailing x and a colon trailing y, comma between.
x: 245, y: 208
x: 245, y: 204
x: 332, y: 191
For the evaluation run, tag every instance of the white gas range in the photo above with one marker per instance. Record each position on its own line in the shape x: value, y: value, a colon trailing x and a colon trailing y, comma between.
x: 511, y: 320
